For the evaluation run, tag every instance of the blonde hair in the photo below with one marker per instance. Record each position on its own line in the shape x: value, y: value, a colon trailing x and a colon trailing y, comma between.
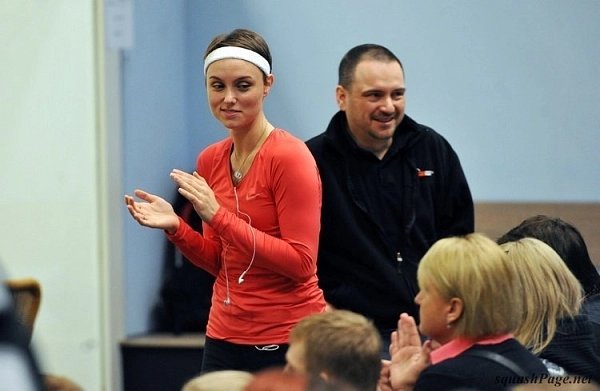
x: 474, y: 269
x: 343, y: 344
x: 274, y: 379
x: 551, y: 291
x: 225, y: 380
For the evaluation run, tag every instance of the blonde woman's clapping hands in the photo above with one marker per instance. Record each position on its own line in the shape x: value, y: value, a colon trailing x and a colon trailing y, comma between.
x: 408, y: 356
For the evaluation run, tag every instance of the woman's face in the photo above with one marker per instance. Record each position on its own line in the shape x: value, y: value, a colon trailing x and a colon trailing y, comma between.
x: 433, y: 313
x: 236, y: 90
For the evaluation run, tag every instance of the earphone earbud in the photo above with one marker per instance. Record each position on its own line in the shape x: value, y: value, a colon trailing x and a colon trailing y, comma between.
x: 241, y: 279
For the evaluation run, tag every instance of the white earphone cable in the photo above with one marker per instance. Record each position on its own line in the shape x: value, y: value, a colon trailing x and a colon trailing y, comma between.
x: 237, y: 206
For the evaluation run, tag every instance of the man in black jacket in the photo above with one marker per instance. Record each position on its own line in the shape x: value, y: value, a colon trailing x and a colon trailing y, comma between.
x: 391, y: 188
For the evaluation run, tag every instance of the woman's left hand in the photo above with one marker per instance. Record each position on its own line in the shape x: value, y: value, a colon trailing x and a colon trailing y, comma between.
x: 409, y: 357
x: 195, y: 189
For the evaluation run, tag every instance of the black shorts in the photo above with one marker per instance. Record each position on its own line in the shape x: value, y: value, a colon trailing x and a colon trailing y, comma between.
x: 222, y: 355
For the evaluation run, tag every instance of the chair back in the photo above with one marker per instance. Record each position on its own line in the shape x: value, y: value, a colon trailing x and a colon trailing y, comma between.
x: 27, y: 295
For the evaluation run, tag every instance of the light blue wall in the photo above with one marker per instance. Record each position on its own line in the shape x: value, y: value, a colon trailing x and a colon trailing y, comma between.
x: 155, y: 127
x: 513, y: 85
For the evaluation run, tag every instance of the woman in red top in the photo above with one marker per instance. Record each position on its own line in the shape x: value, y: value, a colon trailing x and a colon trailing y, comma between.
x: 258, y: 193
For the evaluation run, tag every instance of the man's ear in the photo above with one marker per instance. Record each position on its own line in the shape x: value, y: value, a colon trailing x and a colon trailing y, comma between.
x: 340, y: 97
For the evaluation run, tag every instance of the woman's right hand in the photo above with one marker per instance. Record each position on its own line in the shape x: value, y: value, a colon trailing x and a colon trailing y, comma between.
x: 152, y: 211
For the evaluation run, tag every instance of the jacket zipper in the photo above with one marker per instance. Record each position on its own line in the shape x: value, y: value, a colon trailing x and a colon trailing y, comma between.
x: 399, y: 263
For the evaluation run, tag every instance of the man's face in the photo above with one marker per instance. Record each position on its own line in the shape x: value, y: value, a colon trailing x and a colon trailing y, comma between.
x: 374, y: 103
x: 295, y: 358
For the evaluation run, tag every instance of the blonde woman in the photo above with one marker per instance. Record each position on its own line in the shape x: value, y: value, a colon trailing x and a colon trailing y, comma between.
x: 568, y: 242
x: 551, y: 324
x: 467, y: 305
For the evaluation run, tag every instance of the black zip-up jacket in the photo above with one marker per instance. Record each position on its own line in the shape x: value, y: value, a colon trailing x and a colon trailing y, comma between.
x: 360, y: 267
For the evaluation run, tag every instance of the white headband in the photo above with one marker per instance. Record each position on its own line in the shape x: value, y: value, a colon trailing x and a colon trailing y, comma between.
x: 240, y: 54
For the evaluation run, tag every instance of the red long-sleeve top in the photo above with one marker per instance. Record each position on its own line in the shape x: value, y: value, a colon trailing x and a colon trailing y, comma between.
x: 274, y: 212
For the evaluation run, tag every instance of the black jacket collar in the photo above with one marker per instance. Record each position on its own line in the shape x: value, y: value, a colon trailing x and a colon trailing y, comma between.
x: 338, y: 135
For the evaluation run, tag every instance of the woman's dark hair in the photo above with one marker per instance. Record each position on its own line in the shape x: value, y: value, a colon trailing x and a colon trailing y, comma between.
x: 242, y: 38
x: 566, y: 240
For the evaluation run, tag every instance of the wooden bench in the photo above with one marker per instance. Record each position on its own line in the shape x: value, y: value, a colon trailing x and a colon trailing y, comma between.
x: 161, y: 361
